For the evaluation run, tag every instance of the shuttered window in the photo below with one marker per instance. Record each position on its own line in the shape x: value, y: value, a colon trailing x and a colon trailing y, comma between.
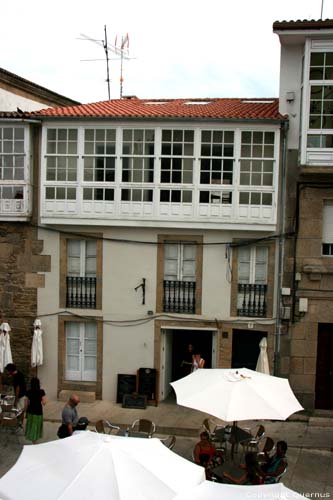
x: 81, y: 258
x: 252, y: 265
x: 180, y: 261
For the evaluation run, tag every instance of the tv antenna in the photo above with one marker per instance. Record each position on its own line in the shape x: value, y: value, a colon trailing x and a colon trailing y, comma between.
x: 122, y: 51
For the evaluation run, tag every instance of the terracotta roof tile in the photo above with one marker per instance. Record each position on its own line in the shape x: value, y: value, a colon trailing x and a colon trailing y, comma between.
x: 228, y: 108
x: 303, y: 24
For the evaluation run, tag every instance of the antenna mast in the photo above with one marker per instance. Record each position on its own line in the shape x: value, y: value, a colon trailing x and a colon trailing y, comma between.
x: 105, y: 46
x: 121, y: 52
x: 322, y: 6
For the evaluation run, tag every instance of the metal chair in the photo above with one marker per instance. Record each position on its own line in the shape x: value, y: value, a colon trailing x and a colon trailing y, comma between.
x: 169, y: 441
x: 105, y: 427
x: 211, y: 427
x: 144, y: 425
x: 252, y: 444
x: 268, y: 447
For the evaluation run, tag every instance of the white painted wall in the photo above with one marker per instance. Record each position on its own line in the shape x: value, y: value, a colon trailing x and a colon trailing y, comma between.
x: 290, y: 81
x: 10, y: 101
x: 128, y: 348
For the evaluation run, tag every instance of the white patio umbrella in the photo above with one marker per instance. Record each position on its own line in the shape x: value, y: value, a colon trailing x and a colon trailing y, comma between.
x: 92, y: 466
x: 37, y: 344
x: 5, y: 350
x: 213, y: 491
x: 262, y: 363
x: 237, y: 394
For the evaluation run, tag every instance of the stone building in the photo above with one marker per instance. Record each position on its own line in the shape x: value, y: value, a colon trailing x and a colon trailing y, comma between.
x: 306, y: 95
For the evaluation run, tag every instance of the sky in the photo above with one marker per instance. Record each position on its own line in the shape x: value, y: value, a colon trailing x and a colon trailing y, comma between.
x: 177, y: 48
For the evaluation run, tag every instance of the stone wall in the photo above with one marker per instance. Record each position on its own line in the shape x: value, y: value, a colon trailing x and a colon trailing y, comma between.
x: 20, y: 263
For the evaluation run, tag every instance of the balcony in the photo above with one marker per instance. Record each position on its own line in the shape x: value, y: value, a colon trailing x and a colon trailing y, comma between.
x: 81, y: 292
x: 252, y: 300
x: 179, y: 296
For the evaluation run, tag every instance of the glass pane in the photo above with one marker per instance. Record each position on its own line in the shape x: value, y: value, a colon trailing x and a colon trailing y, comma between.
x: 267, y: 199
x: 317, y: 59
x: 255, y: 198
x: 244, y: 198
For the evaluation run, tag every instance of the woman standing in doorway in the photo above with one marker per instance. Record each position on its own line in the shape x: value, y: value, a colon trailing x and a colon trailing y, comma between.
x: 198, y: 362
x: 36, y: 398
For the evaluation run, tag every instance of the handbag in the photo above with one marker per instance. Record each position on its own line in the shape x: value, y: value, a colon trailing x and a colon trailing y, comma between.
x: 63, y: 431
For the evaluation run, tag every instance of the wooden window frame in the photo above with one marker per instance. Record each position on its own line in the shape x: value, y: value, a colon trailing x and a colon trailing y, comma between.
x: 63, y: 267
x: 270, y: 279
x: 160, y: 268
x: 72, y: 385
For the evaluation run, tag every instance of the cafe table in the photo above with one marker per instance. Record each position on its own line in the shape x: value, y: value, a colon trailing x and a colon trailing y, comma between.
x: 231, y: 468
x: 235, y: 436
x: 130, y: 433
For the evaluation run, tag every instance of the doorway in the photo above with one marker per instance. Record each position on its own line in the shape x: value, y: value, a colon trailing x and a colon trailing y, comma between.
x: 324, y: 368
x: 174, y: 344
x: 245, y: 348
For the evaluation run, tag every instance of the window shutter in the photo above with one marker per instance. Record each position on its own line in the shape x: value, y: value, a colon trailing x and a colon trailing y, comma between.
x: 244, y: 256
x: 261, y: 265
x: 73, y: 257
x: 72, y: 350
x: 328, y: 222
x: 90, y: 352
x: 189, y: 263
x: 171, y: 251
x: 90, y: 267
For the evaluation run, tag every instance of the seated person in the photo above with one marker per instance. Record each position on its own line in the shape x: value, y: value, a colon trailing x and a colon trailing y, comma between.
x: 252, y: 474
x: 276, y: 464
x: 206, y: 455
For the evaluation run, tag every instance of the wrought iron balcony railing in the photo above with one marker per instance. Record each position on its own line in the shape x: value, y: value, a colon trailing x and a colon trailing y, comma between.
x: 81, y: 292
x: 252, y: 300
x: 179, y: 296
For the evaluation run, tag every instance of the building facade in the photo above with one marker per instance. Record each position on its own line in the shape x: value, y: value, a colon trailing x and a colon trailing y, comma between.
x: 306, y: 95
x: 160, y: 222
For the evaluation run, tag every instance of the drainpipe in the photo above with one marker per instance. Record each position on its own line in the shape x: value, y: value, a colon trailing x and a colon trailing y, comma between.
x: 282, y: 199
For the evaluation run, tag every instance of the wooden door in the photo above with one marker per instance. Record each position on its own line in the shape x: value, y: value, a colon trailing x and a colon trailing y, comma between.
x: 324, y: 370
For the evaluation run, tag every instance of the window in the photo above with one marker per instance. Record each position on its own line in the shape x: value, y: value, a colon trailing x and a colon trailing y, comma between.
x: 252, y: 280
x: 137, y: 195
x: 99, y: 155
x: 217, y: 151
x: 98, y: 194
x: 216, y: 197
x: 81, y: 351
x: 12, y: 153
x: 257, y: 158
x: 179, y: 261
x: 179, y: 277
x: 81, y: 274
x: 179, y: 274
x: 61, y: 155
x: 177, y: 156
x: 327, y: 235
x: 11, y: 193
x: 255, y: 198
x: 138, y: 155
x: 175, y: 196
x: 60, y: 193
x: 320, y: 125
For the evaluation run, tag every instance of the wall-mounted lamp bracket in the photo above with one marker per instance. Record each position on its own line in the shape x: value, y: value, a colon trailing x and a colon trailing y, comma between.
x: 143, y: 286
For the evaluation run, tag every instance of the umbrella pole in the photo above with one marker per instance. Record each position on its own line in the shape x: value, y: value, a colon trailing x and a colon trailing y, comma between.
x: 233, y: 439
